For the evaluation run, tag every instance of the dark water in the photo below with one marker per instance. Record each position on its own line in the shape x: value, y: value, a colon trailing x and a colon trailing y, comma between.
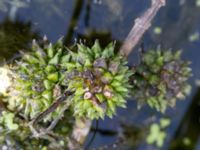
x: 110, y: 20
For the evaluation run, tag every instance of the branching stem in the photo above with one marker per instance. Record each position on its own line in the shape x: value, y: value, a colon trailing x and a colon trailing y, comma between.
x: 59, y: 100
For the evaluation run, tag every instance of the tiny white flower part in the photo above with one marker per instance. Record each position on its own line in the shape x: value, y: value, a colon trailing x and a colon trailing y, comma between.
x: 107, y: 94
x: 87, y: 95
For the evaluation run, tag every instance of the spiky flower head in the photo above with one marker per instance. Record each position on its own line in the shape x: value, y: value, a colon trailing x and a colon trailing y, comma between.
x: 36, y: 79
x: 99, y: 77
x: 160, y: 79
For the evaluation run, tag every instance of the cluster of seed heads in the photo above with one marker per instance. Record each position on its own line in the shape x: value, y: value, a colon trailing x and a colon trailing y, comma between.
x: 98, y: 79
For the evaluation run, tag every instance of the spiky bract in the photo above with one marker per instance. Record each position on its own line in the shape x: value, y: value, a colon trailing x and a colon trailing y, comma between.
x: 160, y: 79
x: 99, y: 78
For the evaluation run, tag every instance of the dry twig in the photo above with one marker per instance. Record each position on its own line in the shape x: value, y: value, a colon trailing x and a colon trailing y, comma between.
x: 141, y: 25
x: 46, y: 112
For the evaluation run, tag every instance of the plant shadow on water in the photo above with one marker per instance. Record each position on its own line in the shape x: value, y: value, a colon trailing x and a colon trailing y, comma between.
x: 109, y: 21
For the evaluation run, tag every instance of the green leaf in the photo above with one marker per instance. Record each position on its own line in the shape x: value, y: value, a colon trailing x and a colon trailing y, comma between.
x: 8, y: 120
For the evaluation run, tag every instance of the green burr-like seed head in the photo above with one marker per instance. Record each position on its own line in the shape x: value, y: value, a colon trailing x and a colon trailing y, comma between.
x: 160, y: 79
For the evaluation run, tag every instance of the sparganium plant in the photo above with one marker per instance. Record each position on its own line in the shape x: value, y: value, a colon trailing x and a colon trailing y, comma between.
x: 100, y: 80
x: 160, y: 79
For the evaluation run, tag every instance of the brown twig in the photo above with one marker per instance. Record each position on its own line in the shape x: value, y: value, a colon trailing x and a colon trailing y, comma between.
x: 57, y: 103
x: 51, y: 108
x: 80, y: 132
x: 141, y: 25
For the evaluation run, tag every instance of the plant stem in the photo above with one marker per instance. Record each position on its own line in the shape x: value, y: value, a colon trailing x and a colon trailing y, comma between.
x: 141, y: 25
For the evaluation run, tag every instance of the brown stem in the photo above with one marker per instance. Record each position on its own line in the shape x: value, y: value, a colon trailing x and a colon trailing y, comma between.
x: 141, y: 25
x: 49, y: 110
x: 80, y: 132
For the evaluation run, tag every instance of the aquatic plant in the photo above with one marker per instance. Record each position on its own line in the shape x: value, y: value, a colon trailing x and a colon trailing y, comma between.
x: 36, y: 79
x: 157, y: 133
x: 99, y: 78
x: 31, y: 85
x: 160, y: 79
x: 52, y: 82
